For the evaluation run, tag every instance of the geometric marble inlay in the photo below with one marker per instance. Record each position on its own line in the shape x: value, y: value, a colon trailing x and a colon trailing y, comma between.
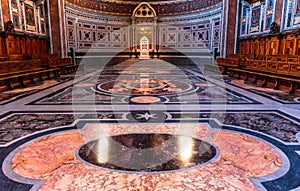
x: 144, y: 86
x: 149, y: 152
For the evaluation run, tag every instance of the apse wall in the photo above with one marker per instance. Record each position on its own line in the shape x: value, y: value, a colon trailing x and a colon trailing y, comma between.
x: 181, y: 29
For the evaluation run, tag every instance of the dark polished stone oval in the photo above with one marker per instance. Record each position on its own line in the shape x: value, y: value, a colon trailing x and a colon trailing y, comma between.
x: 148, y: 152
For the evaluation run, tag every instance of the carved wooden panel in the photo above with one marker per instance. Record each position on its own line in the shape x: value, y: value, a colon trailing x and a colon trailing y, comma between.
x: 282, y: 44
x: 16, y: 44
x: 242, y: 47
x: 262, y: 48
x: 23, y: 46
x: 289, y: 46
x: 251, y: 47
x: 13, y: 45
x: 2, y: 46
x: 247, y: 48
x: 29, y: 46
x: 34, y: 46
x: 256, y: 48
x: 297, y: 51
x: 274, y: 43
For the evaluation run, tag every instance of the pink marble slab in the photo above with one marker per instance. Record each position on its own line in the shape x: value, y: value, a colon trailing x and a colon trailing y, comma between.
x: 53, y: 159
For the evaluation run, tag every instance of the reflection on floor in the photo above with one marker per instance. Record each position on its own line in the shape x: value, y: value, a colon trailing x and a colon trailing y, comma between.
x: 149, y: 125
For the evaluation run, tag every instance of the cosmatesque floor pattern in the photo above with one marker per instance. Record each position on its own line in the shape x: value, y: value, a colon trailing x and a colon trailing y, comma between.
x: 149, y: 125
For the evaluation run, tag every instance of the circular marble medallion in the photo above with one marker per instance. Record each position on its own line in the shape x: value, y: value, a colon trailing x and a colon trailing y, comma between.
x: 143, y: 86
x: 145, y: 99
x: 147, y: 152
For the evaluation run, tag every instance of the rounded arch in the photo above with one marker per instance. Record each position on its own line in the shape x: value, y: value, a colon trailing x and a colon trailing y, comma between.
x: 144, y: 10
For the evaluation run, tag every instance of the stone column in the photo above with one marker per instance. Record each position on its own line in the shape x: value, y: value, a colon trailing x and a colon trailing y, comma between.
x: 76, y: 35
x: 133, y: 36
x: 229, y: 24
x: 155, y: 33
x: 1, y: 17
x: 278, y: 12
x: 57, y: 21
x: 39, y: 6
x: 22, y: 16
x: 262, y: 16
x: 5, y: 10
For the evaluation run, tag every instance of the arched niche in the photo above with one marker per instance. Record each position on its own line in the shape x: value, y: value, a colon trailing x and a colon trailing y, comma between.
x: 144, y: 24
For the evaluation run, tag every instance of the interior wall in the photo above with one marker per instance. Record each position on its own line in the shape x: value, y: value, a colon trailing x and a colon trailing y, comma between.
x: 66, y: 27
x: 89, y: 31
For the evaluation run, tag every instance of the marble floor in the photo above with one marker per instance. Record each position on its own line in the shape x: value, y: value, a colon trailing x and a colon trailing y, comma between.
x: 149, y: 125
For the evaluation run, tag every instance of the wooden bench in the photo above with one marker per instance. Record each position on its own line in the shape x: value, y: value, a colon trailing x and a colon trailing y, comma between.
x: 242, y: 58
x: 19, y: 72
x: 3, y: 58
x: 212, y: 68
x: 266, y: 70
x: 224, y: 63
x: 15, y: 57
x: 53, y: 61
x: 66, y: 65
x: 277, y: 75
